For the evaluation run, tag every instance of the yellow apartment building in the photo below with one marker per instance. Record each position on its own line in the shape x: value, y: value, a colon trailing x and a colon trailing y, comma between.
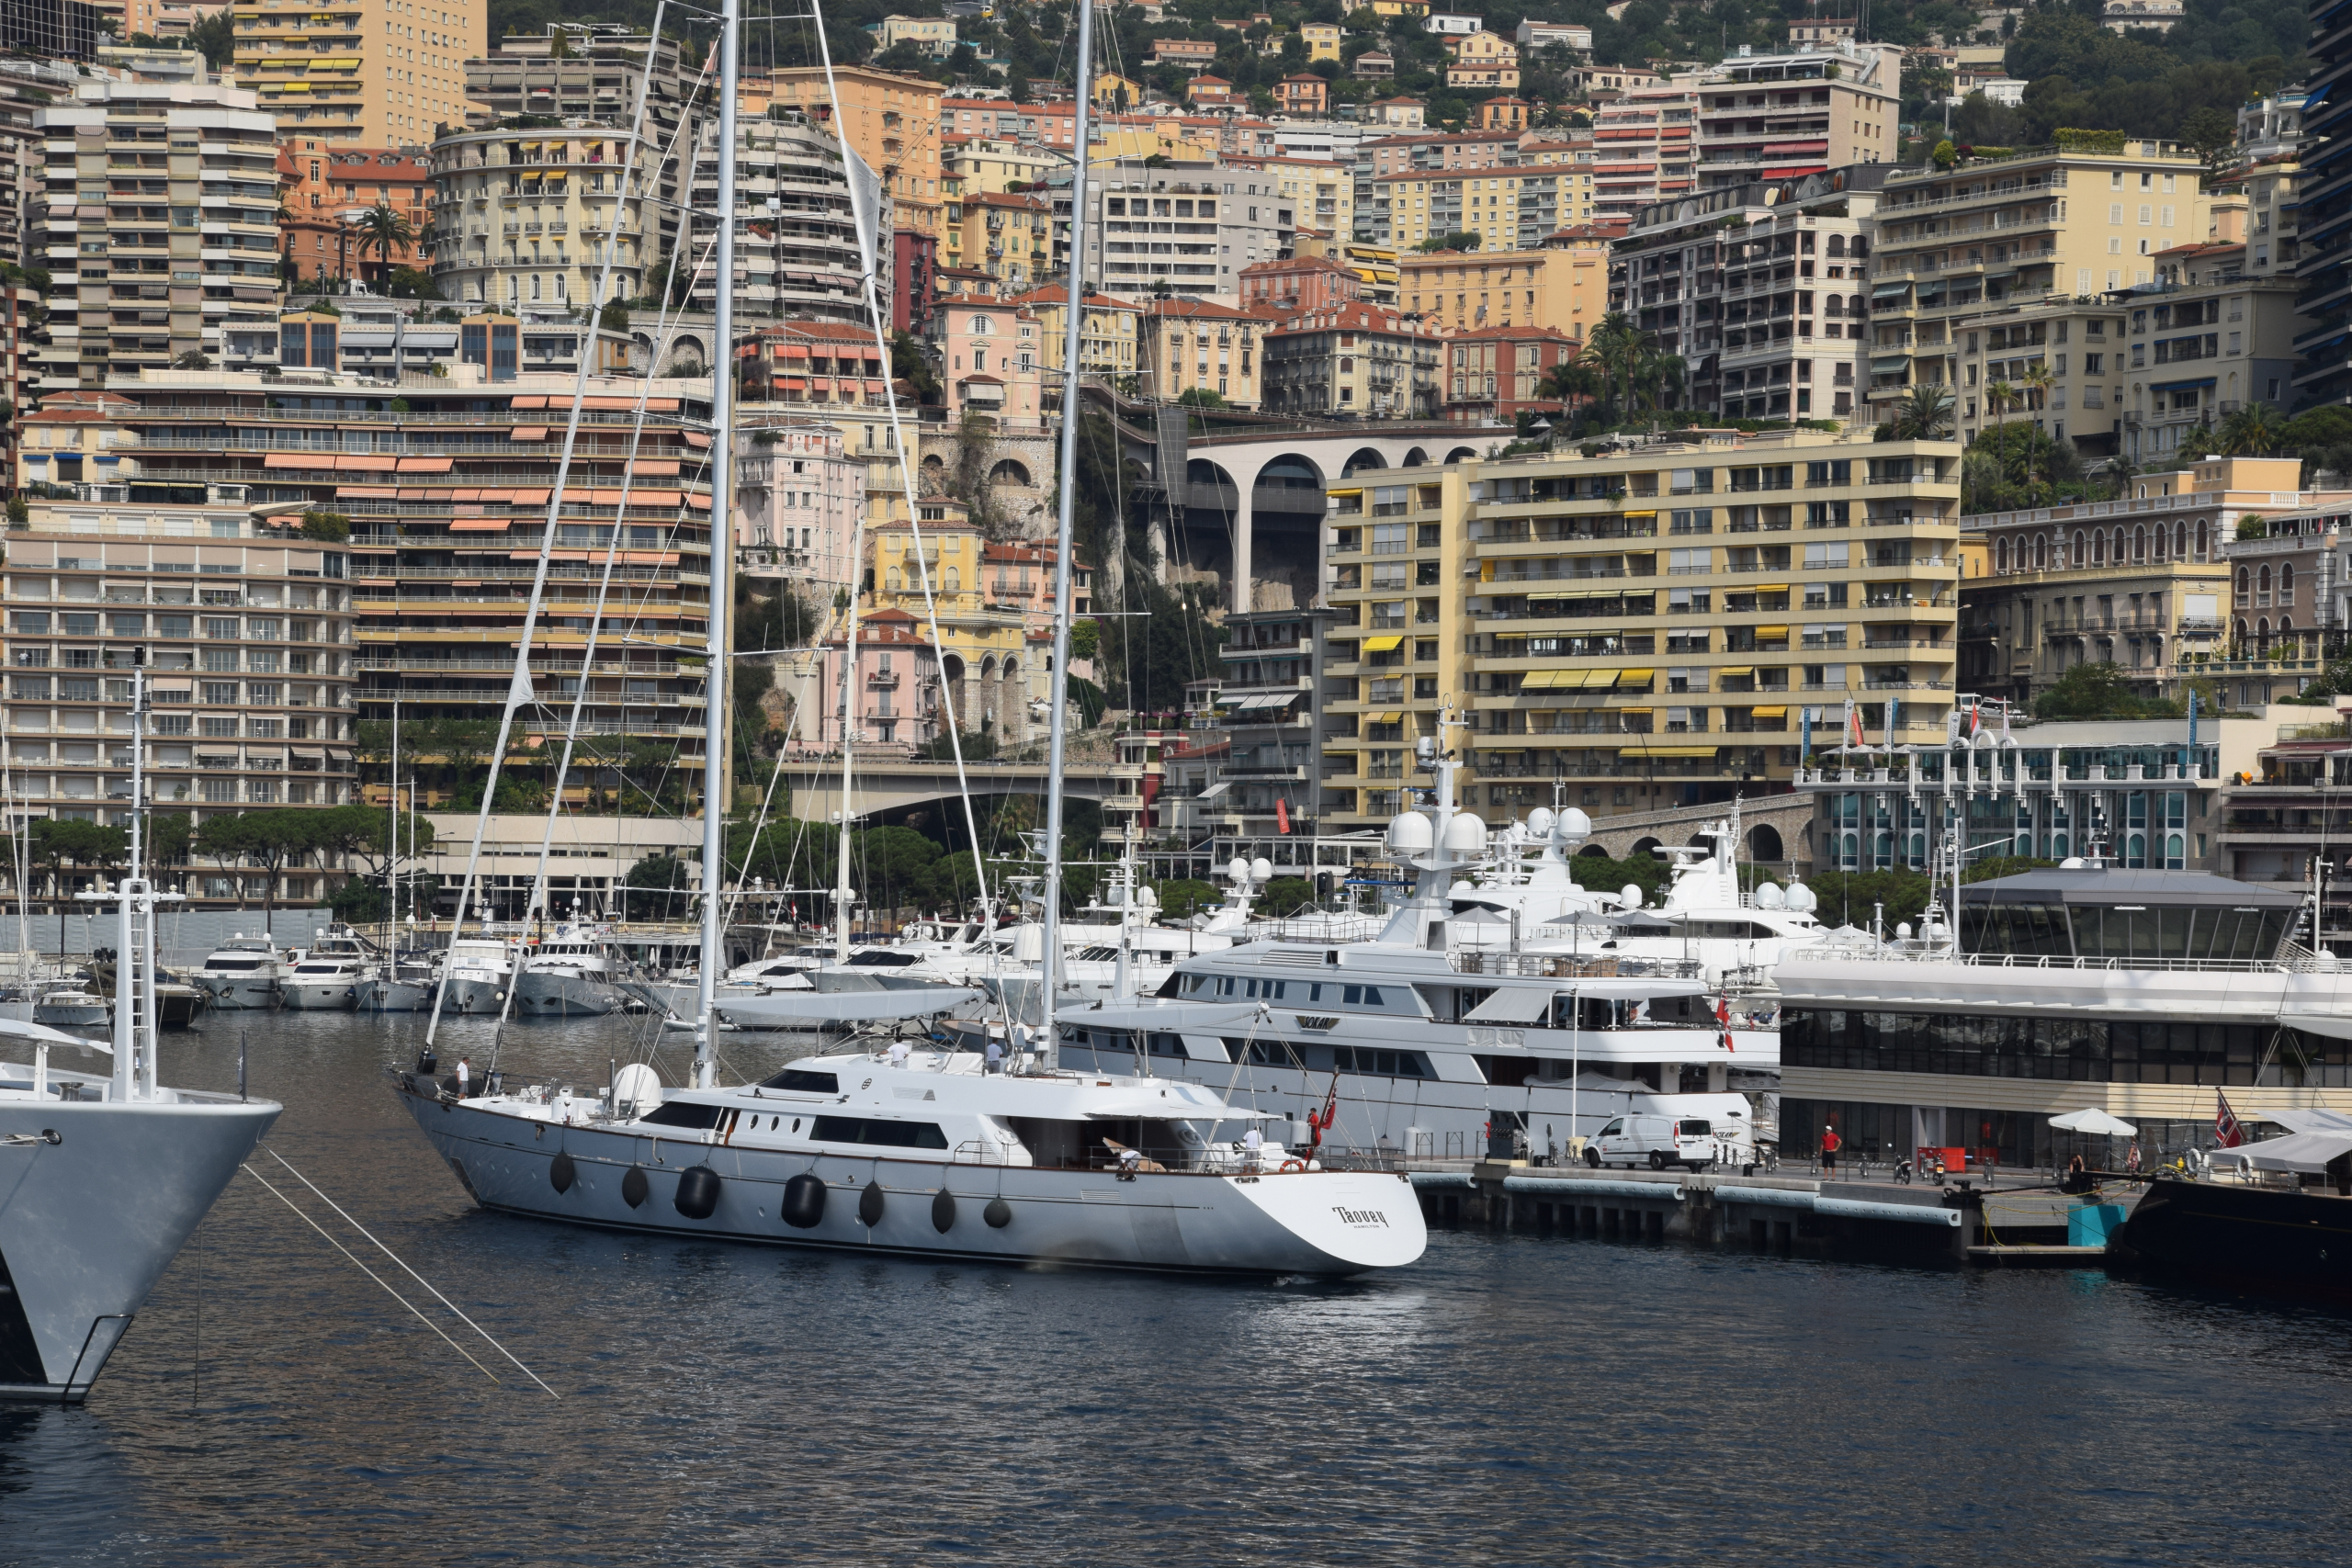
x: 360, y: 72
x: 1107, y: 338
x: 1322, y: 40
x: 1639, y: 630
x: 1565, y: 286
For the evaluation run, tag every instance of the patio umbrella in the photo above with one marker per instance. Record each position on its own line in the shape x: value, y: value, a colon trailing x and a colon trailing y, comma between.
x: 2098, y: 1123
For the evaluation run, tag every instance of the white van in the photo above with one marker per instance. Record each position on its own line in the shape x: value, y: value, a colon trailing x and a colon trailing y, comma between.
x: 1659, y: 1142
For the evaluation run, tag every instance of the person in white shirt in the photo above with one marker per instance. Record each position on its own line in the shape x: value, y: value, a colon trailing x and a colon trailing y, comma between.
x: 1252, y: 1142
x: 899, y: 1052
x: 465, y: 1073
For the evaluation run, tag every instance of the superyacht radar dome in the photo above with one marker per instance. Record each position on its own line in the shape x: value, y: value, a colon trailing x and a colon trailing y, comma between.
x: 1409, y: 833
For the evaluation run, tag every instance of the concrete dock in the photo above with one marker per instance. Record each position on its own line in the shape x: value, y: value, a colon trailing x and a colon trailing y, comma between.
x: 2013, y: 1222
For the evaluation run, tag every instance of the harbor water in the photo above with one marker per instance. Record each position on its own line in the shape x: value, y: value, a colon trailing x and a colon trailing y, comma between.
x: 1507, y: 1400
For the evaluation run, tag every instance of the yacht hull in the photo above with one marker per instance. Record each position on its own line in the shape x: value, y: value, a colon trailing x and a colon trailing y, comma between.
x: 88, y: 1224
x: 1319, y: 1223
x: 540, y: 995
x: 330, y: 996
x: 470, y: 993
x: 238, y: 994
x: 2257, y: 1237
x: 73, y: 1014
x: 176, y: 1006
x: 393, y: 996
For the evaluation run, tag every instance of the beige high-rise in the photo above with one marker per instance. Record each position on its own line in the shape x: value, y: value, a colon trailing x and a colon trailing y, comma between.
x: 360, y: 72
x: 2028, y: 235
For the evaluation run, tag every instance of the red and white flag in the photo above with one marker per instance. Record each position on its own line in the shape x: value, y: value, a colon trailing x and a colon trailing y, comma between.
x: 1854, y: 725
x: 1975, y: 720
x: 1723, y: 1018
x: 1281, y: 814
x: 2227, y: 1133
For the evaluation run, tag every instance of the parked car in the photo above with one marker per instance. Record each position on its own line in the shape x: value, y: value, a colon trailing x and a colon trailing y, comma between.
x: 1661, y: 1140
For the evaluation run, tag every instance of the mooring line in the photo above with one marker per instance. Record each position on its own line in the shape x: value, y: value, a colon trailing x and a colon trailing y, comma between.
x: 314, y: 1225
x: 413, y: 1274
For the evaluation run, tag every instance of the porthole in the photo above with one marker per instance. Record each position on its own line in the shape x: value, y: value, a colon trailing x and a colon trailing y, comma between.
x: 795, y: 1123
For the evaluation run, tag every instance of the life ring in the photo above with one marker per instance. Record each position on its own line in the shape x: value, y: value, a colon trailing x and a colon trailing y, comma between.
x: 1289, y: 1165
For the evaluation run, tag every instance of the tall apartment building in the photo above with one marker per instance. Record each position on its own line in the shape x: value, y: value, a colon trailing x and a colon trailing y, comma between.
x: 1514, y: 189
x: 161, y: 227
x: 1765, y: 301
x: 893, y: 122
x: 1783, y: 116
x: 360, y: 72
x: 1644, y: 150
x: 1641, y: 629
x: 2085, y: 216
x: 795, y: 243
x: 1187, y: 225
x: 26, y: 87
x: 579, y: 71
x: 2324, y: 264
x: 526, y: 217
x: 446, y: 488
x: 1356, y: 360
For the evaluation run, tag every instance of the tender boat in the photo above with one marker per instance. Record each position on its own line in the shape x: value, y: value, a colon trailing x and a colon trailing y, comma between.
x: 241, y: 975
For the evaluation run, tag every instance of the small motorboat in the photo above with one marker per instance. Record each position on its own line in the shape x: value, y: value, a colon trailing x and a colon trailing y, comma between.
x: 71, y: 1007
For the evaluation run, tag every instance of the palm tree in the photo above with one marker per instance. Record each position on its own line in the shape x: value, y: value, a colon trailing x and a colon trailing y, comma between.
x: 1661, y: 371
x: 1998, y: 396
x: 1614, y: 350
x: 2252, y: 432
x: 2038, y: 377
x: 385, y: 227
x: 1924, y: 413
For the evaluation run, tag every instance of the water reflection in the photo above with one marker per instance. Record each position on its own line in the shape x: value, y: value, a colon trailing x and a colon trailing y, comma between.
x: 1511, y: 1399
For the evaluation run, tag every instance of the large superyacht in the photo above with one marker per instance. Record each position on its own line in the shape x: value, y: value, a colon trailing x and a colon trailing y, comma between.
x: 1439, y: 1039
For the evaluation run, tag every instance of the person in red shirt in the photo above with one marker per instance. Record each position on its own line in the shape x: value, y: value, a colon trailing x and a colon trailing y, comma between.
x: 1831, y: 1144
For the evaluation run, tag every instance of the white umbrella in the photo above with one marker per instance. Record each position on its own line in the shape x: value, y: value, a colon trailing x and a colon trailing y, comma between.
x: 2098, y: 1123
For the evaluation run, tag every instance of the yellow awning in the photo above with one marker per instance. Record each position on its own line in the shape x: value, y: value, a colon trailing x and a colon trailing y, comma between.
x: 1679, y: 751
x: 556, y: 175
x: 1383, y: 644
x: 1546, y: 680
x: 1770, y: 713
x: 1781, y: 632
x: 1486, y: 571
x: 1650, y: 513
x: 1358, y: 490
x: 1635, y: 677
x: 1642, y: 712
x: 1736, y: 670
x: 293, y: 86
x: 1771, y: 588
x: 339, y: 62
x: 1386, y: 718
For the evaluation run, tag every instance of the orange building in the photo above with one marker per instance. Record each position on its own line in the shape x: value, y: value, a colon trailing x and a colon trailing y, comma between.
x: 894, y: 124
x: 321, y: 189
x: 1303, y: 94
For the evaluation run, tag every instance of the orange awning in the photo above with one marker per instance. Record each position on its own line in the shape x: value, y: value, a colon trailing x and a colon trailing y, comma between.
x: 657, y: 467
x: 558, y: 555
x: 656, y: 497
x: 465, y: 495
x: 524, y: 497
x: 528, y: 432
x: 481, y: 525
x: 661, y: 405
x: 424, y: 465
x: 697, y: 439
x: 536, y: 402
x: 358, y: 461
x: 423, y: 494
x: 700, y: 502
x: 366, y: 492
x: 651, y: 557
x: 609, y: 405
x: 298, y: 459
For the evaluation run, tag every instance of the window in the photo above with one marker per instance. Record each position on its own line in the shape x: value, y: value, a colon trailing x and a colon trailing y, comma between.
x: 877, y: 1133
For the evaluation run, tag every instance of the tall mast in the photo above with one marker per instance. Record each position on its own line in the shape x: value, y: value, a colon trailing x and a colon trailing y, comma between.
x: 722, y: 559
x: 1073, y: 345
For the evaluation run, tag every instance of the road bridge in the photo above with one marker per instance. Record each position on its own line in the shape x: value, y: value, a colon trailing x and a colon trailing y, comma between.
x: 1773, y: 829
x: 883, y: 783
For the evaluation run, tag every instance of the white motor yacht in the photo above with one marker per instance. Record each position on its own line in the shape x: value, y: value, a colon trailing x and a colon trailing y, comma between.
x: 401, y: 984
x: 1446, y: 1038
x: 243, y: 974
x: 928, y: 1156
x: 323, y: 982
x: 475, y: 974
x: 567, y: 976
x: 73, y: 1007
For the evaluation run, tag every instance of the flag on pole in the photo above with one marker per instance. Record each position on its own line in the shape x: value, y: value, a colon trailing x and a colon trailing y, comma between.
x: 1281, y: 814
x: 1853, y: 725
x: 2227, y: 1133
x: 1975, y: 719
x: 1723, y: 1019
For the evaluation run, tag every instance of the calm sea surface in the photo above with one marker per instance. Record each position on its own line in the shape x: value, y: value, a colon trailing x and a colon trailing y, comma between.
x: 1508, y: 1401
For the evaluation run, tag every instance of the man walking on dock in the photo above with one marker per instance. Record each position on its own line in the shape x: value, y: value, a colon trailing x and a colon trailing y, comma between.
x: 1831, y: 1144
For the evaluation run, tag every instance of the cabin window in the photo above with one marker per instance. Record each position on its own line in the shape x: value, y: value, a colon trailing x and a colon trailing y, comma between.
x: 684, y: 1113
x: 805, y: 1081
x: 1382, y: 1064
x: 1362, y: 996
x: 885, y: 1134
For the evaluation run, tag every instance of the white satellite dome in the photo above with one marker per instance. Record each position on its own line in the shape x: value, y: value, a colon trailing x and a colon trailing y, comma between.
x: 1262, y: 871
x: 1770, y: 897
x: 1461, y: 888
x: 1540, y: 820
x: 1240, y: 869
x: 1409, y: 833
x: 1902, y: 931
x: 1801, y: 898
x: 1629, y: 897
x: 1466, y: 834
x: 1575, y: 824
x: 1147, y: 897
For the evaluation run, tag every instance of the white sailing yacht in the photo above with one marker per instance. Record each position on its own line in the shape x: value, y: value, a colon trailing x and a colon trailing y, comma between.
x: 103, y: 1177
x: 882, y: 1150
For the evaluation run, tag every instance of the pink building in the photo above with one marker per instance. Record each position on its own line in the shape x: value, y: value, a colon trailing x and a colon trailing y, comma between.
x: 797, y: 499
x: 895, y: 694
x: 990, y: 360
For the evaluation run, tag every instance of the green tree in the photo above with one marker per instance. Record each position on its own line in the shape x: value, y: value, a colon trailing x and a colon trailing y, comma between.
x: 1924, y: 413
x: 384, y: 228
x: 2097, y: 691
x: 215, y: 37
x: 1183, y: 897
x: 664, y: 875
x: 894, y: 861
x: 56, y: 844
x: 1200, y: 398
x: 2254, y: 431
